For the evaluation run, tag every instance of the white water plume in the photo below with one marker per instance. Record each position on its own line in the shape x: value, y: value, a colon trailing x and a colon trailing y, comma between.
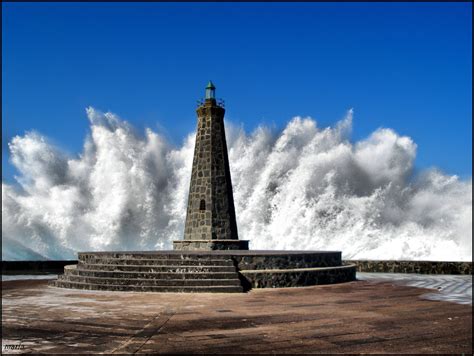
x: 303, y: 188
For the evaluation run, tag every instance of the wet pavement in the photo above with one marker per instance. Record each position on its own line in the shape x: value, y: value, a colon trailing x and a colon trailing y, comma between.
x: 379, y: 313
x: 451, y: 288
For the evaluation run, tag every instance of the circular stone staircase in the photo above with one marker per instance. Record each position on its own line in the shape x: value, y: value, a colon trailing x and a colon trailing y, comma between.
x: 203, y: 271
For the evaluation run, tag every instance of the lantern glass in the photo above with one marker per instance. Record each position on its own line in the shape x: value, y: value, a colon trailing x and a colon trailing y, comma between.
x: 210, y: 93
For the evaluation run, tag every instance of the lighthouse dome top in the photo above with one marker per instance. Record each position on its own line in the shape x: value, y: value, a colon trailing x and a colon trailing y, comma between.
x: 210, y: 85
x: 210, y: 91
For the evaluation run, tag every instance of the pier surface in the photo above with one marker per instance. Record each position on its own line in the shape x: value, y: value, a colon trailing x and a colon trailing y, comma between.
x: 378, y: 313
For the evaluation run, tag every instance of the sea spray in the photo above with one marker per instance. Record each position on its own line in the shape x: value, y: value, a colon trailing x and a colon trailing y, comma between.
x: 303, y: 188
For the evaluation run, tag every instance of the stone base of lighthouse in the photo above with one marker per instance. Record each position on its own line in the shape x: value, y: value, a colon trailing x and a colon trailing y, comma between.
x: 210, y: 245
x: 204, y: 271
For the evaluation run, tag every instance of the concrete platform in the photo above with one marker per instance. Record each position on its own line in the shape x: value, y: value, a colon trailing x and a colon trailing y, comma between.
x: 374, y: 315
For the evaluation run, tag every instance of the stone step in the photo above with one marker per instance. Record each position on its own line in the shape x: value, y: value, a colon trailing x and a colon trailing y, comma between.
x: 84, y: 256
x: 148, y: 288
x: 155, y: 268
x: 161, y: 262
x: 150, y: 275
x: 151, y: 282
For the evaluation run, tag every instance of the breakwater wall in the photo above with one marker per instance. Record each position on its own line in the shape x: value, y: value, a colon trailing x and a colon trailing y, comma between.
x: 385, y: 266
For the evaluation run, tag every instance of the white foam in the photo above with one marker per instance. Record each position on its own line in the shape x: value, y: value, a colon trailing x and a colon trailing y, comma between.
x: 303, y: 188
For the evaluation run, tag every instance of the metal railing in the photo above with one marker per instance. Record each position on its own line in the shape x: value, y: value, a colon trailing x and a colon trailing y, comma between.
x: 201, y: 102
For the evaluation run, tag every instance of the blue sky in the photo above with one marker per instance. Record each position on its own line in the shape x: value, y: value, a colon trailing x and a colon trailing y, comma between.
x: 406, y: 66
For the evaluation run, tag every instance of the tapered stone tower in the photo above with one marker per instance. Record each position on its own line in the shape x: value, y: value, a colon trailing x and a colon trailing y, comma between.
x: 210, y: 217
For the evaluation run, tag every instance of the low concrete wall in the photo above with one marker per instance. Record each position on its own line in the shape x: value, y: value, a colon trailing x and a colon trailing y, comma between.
x: 35, y: 267
x: 298, y: 277
x: 287, y: 260
x: 422, y: 267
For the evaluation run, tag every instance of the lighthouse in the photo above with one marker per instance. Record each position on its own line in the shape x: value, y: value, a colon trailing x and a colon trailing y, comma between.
x: 210, y: 215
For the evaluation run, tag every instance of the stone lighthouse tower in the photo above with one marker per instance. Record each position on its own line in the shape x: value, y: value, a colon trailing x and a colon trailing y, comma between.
x: 210, y: 216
